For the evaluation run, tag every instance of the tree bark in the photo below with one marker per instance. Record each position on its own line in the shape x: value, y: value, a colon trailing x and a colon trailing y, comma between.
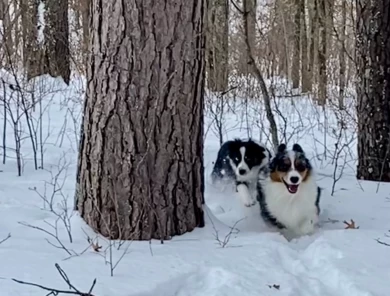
x: 85, y: 7
x: 32, y: 55
x: 322, y: 67
x: 217, y: 45
x: 295, y: 73
x: 56, y: 34
x: 313, y: 49
x: 373, y: 89
x: 306, y: 82
x: 251, y: 6
x: 140, y: 172
x: 8, y: 44
x: 342, y: 79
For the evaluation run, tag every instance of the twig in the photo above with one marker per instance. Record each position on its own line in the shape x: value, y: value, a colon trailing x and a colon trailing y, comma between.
x: 55, y: 236
x: 54, y: 291
x: 382, y: 243
x: 3, y: 240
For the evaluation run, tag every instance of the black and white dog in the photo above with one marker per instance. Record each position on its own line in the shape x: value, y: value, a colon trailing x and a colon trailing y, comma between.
x: 241, y: 161
x: 289, y: 197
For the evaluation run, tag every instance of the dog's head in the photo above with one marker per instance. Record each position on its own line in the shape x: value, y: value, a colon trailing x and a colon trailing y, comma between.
x: 290, y: 167
x: 246, y: 155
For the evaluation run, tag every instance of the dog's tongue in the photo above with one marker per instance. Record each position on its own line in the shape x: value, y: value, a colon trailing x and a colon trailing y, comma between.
x: 293, y: 188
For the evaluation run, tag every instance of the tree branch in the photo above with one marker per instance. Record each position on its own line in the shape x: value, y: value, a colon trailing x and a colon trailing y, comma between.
x: 58, y: 292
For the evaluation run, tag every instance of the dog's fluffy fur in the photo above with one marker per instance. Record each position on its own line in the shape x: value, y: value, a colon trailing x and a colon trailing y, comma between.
x: 241, y: 161
x: 289, y: 197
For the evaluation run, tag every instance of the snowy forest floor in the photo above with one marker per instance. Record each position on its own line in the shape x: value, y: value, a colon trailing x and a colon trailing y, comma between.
x: 216, y: 260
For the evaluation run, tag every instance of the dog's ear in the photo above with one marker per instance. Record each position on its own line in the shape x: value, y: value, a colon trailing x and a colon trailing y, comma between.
x: 308, y: 164
x: 298, y: 148
x: 281, y: 148
x: 273, y: 163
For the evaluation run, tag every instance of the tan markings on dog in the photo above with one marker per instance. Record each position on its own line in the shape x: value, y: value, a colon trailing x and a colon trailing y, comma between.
x: 277, y: 176
x: 305, y: 175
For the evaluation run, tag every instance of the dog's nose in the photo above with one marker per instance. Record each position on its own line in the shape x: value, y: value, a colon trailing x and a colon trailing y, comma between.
x: 242, y: 172
x: 294, y: 180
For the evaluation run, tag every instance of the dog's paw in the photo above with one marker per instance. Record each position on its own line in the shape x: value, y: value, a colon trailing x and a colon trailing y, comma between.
x: 250, y: 203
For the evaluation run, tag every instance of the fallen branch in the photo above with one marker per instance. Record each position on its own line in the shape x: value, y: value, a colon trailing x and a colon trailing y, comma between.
x: 3, y: 240
x: 382, y: 243
x: 54, y: 292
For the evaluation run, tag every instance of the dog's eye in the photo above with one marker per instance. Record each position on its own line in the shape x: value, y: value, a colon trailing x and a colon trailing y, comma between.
x: 300, y: 167
x: 237, y: 159
x: 284, y: 168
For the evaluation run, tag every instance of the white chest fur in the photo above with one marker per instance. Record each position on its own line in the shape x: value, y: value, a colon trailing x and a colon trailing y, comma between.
x: 296, y: 211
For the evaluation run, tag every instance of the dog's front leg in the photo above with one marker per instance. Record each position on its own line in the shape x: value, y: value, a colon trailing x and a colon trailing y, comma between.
x: 244, y: 194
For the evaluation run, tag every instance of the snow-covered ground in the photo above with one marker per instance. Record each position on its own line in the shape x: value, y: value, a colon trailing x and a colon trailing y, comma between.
x: 235, y: 254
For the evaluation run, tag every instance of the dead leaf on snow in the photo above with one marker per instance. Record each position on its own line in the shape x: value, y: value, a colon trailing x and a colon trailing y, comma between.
x: 350, y: 225
x: 96, y: 246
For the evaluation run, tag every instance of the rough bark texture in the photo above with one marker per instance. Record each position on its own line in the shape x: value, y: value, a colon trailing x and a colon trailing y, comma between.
x: 8, y: 44
x: 322, y: 71
x: 56, y: 34
x: 85, y: 7
x: 295, y: 72
x: 140, y: 173
x: 251, y: 6
x: 373, y: 89
x: 217, y: 45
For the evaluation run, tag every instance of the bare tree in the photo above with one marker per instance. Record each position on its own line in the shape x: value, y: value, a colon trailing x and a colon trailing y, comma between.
x: 217, y: 45
x: 32, y: 62
x: 6, y: 35
x: 246, y: 12
x: 342, y: 55
x: 313, y: 49
x: 140, y: 172
x: 297, y: 45
x: 57, y: 54
x: 322, y: 69
x: 373, y: 89
x: 305, y: 67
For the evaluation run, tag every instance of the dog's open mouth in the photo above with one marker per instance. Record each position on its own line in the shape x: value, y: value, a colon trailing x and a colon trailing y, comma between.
x: 292, y: 188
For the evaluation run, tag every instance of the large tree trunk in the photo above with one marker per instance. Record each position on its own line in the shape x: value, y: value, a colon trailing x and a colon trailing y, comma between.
x: 217, y: 45
x: 140, y: 173
x: 56, y: 34
x: 295, y: 73
x: 373, y: 89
